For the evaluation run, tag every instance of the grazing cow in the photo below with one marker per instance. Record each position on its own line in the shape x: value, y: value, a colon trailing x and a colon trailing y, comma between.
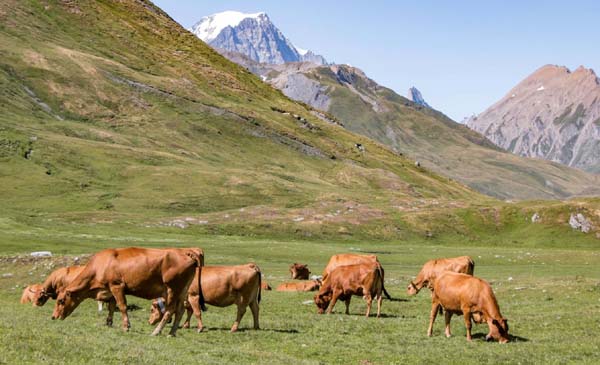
x: 142, y: 272
x: 222, y: 286
x: 344, y: 259
x: 55, y: 282
x: 432, y: 268
x: 472, y: 297
x: 342, y: 283
x: 265, y: 286
x: 299, y: 271
x: 29, y: 293
x: 310, y: 285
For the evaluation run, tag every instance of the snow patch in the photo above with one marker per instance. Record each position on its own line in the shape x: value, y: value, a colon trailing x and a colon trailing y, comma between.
x: 209, y: 27
x: 301, y: 51
x: 541, y: 88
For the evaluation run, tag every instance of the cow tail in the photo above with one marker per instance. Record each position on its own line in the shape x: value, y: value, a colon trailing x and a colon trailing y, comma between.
x: 471, y: 266
x: 387, y: 295
x: 201, y: 300
x: 259, y: 285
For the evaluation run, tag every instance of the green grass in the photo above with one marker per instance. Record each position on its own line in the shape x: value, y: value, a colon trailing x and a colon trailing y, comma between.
x: 549, y: 295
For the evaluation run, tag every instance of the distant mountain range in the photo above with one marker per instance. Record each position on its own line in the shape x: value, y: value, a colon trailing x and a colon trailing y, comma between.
x: 252, y: 35
x: 553, y: 114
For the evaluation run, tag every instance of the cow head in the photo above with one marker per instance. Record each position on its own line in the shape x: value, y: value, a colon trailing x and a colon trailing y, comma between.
x: 299, y: 271
x: 322, y: 301
x: 157, y: 311
x: 413, y: 289
x: 41, y: 296
x: 66, y: 302
x: 498, y: 330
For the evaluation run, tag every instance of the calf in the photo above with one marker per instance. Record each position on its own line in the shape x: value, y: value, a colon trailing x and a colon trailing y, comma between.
x: 142, y: 272
x: 342, y: 283
x: 472, y: 297
x: 345, y: 259
x: 54, y: 283
x: 310, y: 285
x: 222, y: 286
x: 29, y: 293
x: 299, y: 271
x: 432, y: 268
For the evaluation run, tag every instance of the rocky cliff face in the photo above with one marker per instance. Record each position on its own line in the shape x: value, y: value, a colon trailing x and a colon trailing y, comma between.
x: 416, y: 97
x: 553, y: 114
x: 252, y: 35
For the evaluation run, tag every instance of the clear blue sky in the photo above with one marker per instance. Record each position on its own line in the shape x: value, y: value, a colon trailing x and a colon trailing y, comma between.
x: 462, y: 55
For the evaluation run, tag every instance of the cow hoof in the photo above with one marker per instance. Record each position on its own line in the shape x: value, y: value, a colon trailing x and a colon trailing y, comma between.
x: 171, y: 335
x: 234, y: 330
x: 489, y: 338
x: 200, y: 330
x: 186, y: 325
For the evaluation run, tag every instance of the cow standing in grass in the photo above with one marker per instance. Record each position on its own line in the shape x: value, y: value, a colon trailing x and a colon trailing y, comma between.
x: 222, y: 286
x: 142, y: 272
x: 433, y: 268
x: 342, y: 283
x: 55, y: 282
x: 345, y: 259
x: 472, y: 297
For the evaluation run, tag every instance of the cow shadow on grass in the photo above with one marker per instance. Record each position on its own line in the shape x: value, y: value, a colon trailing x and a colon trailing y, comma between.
x: 382, y: 315
x: 513, y: 338
x: 397, y: 300
x: 228, y: 329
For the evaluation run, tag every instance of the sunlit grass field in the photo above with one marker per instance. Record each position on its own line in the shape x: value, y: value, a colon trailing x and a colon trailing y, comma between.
x: 550, y: 296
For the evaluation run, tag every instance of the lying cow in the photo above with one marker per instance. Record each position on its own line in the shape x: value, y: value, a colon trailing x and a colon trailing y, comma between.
x: 30, y: 292
x: 473, y: 298
x: 342, y: 283
x: 55, y: 282
x: 310, y: 285
x: 299, y: 271
x: 142, y: 272
x: 432, y: 268
x: 265, y: 286
x: 345, y: 259
x: 222, y: 286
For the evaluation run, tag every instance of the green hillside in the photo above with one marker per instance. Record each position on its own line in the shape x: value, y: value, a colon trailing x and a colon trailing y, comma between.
x: 112, y: 114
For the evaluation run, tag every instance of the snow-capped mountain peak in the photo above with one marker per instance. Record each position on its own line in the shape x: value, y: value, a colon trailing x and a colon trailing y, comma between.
x: 252, y: 35
x: 209, y: 27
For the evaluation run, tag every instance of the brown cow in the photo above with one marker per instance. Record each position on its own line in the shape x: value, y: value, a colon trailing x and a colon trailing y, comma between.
x: 30, y: 292
x: 310, y: 285
x: 432, y: 268
x: 342, y: 283
x: 344, y: 259
x: 143, y: 272
x: 472, y: 297
x: 222, y: 286
x: 55, y: 282
x: 299, y: 271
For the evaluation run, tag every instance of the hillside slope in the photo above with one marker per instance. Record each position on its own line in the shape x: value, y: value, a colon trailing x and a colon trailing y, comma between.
x: 552, y: 114
x: 426, y: 135
x: 110, y: 111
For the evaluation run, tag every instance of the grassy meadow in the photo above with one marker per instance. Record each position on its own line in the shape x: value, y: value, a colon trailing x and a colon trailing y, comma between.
x: 551, y: 297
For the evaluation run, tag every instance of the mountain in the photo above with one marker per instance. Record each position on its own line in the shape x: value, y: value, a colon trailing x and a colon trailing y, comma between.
x: 416, y: 97
x: 113, y: 115
x: 348, y: 95
x: 253, y: 35
x: 553, y: 114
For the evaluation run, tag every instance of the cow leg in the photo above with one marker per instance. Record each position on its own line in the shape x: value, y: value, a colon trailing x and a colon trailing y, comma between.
x: 369, y: 299
x: 167, y: 315
x: 347, y: 301
x: 118, y: 293
x: 188, y: 312
x: 334, y: 298
x: 112, y: 305
x: 435, y: 306
x: 379, y: 300
x: 467, y: 315
x: 179, y: 309
x: 241, y: 309
x: 255, y: 309
x: 447, y: 317
x: 195, y: 308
